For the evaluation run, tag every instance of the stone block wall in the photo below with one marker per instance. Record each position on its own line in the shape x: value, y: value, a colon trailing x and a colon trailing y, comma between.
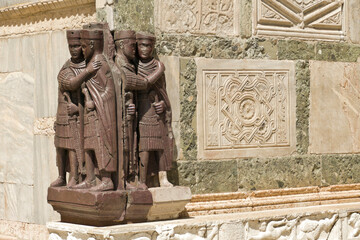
x: 264, y: 93
x: 268, y: 91
x: 33, y: 48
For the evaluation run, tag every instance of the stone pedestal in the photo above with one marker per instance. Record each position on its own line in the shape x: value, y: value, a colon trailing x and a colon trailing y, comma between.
x: 115, y: 207
x: 89, y: 208
x: 138, y: 206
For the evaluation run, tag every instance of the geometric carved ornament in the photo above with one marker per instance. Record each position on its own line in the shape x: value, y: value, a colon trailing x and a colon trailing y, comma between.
x: 198, y: 16
x: 316, y: 19
x: 245, y: 109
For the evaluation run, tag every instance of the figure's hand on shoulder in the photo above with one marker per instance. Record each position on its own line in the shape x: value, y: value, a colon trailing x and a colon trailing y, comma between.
x: 93, y: 67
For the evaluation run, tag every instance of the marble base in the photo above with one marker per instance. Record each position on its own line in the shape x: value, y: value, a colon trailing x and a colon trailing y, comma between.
x: 168, y: 203
x: 334, y: 221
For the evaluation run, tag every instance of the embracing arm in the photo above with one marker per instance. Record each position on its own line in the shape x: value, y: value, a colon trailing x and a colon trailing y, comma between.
x: 152, y: 78
x: 73, y: 83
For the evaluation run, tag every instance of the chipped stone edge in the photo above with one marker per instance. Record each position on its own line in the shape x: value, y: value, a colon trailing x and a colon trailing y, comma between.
x: 44, y: 126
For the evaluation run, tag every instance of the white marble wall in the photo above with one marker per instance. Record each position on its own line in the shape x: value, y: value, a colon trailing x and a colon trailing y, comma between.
x: 28, y: 91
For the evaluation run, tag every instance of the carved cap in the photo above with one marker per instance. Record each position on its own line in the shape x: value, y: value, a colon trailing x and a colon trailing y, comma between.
x: 124, y: 34
x: 73, y: 34
x: 94, y: 25
x: 92, y: 34
x: 144, y: 35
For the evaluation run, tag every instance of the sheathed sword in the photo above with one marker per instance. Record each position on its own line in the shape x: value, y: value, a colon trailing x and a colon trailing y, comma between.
x: 74, y: 127
x: 129, y: 99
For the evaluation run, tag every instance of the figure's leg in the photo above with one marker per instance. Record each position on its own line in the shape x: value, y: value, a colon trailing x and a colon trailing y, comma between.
x: 74, y: 169
x: 106, y: 183
x: 90, y: 172
x: 144, y: 161
x: 164, y: 182
x: 60, y: 160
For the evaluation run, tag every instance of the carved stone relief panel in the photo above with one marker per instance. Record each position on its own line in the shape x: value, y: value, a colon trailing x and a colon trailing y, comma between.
x: 274, y: 229
x: 314, y: 19
x: 220, y: 17
x: 246, y: 108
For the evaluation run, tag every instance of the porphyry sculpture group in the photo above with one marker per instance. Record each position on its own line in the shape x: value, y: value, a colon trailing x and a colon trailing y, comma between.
x: 113, y: 128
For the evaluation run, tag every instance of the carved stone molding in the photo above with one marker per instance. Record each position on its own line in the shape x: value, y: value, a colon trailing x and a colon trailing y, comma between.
x: 304, y: 19
x: 198, y: 16
x: 44, y: 16
x: 26, y: 9
x: 246, y: 108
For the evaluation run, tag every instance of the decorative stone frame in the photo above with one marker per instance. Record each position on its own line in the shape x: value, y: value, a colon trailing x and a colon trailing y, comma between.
x: 262, y: 131
x: 302, y: 19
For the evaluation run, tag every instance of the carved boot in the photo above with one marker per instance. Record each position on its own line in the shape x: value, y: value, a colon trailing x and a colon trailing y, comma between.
x: 59, y: 182
x: 164, y: 182
x: 130, y: 186
x: 84, y: 185
x: 105, y: 185
x: 73, y: 181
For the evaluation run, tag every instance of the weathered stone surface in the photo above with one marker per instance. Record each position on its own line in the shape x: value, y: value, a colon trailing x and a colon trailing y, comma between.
x: 256, y: 174
x: 245, y: 108
x: 210, y: 46
x: 215, y: 176
x: 318, y: 222
x: 199, y: 17
x: 353, y: 9
x: 4, y: 51
x: 35, y: 18
x: 302, y: 106
x: 12, y: 230
x: 45, y: 165
x: 16, y: 117
x: 44, y: 126
x: 341, y: 52
x: 28, y: 55
x: 188, y: 98
x: 340, y: 169
x: 334, y: 107
x: 14, y: 45
x: 293, y: 49
x: 230, y: 230
x: 19, y: 202
x: 314, y: 19
x: 245, y: 18
x: 6, y: 3
x: 168, y: 203
x: 137, y: 15
x: 2, y: 200
x: 46, y: 85
x: 172, y: 74
x: 270, y: 48
x: 106, y: 14
x: 187, y: 173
